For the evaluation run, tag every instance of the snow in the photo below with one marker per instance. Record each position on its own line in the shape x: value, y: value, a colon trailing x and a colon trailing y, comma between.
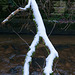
x: 41, y: 33
x: 26, y: 65
x: 12, y: 13
x: 28, y: 5
x: 29, y: 54
x: 5, y: 20
x: 38, y: 18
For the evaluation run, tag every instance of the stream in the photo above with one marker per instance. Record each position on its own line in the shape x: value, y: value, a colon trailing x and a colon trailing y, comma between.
x: 13, y: 51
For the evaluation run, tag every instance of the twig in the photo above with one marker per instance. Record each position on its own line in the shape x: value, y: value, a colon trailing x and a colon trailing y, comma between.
x: 67, y: 27
x: 39, y: 66
x: 15, y: 3
x: 29, y: 29
x: 32, y: 31
x: 22, y: 28
x: 64, y: 27
x: 12, y: 14
x: 55, y: 67
x: 19, y: 2
x: 20, y: 37
x: 43, y: 8
x: 52, y: 29
x: 22, y: 2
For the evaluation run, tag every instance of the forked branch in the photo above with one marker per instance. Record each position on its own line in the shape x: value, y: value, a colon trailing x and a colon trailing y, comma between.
x: 41, y: 32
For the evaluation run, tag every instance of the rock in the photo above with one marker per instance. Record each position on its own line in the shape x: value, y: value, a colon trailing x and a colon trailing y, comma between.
x: 16, y: 69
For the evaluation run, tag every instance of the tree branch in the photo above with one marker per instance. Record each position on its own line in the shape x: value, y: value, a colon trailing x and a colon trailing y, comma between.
x: 16, y: 11
x: 12, y: 14
x: 20, y: 37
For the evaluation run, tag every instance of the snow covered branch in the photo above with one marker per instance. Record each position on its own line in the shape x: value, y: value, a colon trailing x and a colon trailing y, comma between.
x: 41, y: 32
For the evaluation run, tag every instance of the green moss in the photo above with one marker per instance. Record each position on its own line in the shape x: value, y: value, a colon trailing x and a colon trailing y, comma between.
x: 35, y: 23
x: 36, y: 26
x: 43, y: 73
x: 30, y: 62
x: 51, y: 74
x: 33, y: 54
x: 46, y: 48
x: 40, y: 39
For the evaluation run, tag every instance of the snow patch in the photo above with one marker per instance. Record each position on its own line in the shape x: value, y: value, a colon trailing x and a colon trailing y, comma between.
x: 12, y: 13
x: 5, y: 20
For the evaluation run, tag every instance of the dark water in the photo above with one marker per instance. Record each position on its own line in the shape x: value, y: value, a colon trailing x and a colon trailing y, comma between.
x: 13, y: 51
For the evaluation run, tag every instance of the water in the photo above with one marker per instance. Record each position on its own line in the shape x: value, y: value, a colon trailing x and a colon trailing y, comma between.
x: 13, y: 51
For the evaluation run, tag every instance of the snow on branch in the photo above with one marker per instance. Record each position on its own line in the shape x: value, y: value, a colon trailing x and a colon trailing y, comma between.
x: 41, y: 32
x: 15, y: 12
x: 12, y: 14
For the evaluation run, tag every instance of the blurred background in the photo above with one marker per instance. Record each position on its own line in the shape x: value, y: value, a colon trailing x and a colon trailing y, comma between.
x: 57, y: 13
x: 18, y: 33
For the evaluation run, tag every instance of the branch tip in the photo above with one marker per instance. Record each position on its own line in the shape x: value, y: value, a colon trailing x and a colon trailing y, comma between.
x: 4, y: 21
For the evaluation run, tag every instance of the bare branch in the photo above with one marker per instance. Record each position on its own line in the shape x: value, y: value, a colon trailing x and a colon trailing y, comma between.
x: 16, y: 11
x: 21, y: 37
x: 12, y: 14
x: 52, y: 29
x: 67, y: 27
